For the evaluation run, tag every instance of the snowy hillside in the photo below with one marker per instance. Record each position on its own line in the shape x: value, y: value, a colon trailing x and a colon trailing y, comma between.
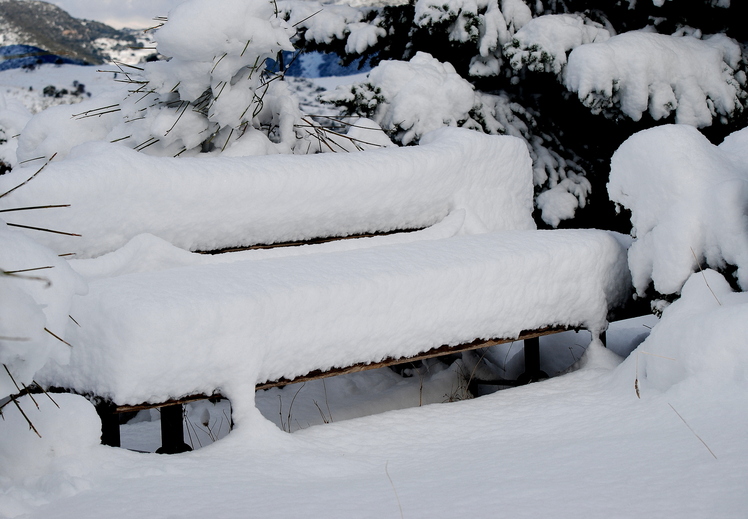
x: 44, y: 25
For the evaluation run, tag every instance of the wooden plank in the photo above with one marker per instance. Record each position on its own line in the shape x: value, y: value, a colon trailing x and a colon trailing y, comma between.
x: 362, y: 366
x: 312, y: 241
x: 390, y: 361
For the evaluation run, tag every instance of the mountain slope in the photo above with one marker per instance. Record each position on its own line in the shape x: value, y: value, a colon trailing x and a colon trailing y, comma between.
x: 44, y: 25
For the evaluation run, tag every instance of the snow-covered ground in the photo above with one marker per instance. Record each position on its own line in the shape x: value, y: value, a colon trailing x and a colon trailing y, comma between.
x: 653, y: 426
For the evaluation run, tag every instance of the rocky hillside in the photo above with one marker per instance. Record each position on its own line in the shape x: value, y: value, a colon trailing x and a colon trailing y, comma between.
x: 44, y: 25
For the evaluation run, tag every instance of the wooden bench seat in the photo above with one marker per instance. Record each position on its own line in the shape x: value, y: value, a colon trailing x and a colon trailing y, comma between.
x: 163, y: 337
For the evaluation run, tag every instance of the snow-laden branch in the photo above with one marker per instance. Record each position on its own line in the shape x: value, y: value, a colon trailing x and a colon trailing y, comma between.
x: 688, y: 200
x: 638, y: 72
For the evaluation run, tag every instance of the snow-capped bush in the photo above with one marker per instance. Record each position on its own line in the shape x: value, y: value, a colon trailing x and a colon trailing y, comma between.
x: 413, y: 97
x: 688, y: 202
x: 640, y: 71
x: 212, y: 94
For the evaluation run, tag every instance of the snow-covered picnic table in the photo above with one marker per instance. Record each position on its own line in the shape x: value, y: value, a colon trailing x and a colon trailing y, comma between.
x: 160, y: 323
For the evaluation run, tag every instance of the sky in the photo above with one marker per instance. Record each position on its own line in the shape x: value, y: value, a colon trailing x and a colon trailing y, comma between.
x: 136, y: 14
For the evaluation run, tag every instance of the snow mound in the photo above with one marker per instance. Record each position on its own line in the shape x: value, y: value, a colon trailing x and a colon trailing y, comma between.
x: 68, y: 430
x: 701, y: 338
x: 230, y: 326
x: 212, y: 203
x: 688, y: 201
x: 641, y: 71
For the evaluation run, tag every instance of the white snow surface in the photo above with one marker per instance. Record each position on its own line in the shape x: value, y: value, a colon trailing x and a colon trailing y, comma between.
x: 228, y: 326
x: 644, y: 71
x: 212, y: 203
x: 688, y: 202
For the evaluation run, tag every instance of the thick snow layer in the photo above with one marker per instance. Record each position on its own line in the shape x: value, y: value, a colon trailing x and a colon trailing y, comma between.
x: 641, y: 71
x: 229, y: 326
x: 688, y: 202
x: 211, y: 203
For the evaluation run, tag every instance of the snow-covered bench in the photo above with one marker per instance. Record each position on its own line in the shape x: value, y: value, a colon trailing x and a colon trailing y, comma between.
x: 160, y: 325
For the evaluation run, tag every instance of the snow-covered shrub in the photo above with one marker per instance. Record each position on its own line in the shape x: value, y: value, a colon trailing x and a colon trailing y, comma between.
x: 688, y: 201
x: 411, y: 98
x: 640, y: 71
x: 212, y: 94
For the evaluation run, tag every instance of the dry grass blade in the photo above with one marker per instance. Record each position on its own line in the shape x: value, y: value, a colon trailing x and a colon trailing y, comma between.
x: 58, y: 337
x: 96, y: 112
x: 704, y: 276
x: 31, y: 227
x: 397, y: 497
x: 305, y: 19
x: 31, y: 177
x: 11, y: 377
x: 46, y: 281
x: 33, y: 208
x: 11, y: 272
x: 31, y: 425
x: 48, y: 395
x: 694, y: 432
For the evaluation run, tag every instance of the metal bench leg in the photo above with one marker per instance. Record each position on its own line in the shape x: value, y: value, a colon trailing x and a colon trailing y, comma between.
x: 172, y: 433
x: 109, y: 424
x: 532, y: 372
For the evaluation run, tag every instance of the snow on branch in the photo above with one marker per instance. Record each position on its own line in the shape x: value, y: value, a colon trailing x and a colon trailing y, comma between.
x: 638, y: 72
x: 541, y: 45
x: 688, y: 201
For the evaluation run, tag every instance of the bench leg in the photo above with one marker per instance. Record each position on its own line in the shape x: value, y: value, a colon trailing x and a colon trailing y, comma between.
x: 532, y: 372
x: 172, y: 432
x: 109, y: 424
